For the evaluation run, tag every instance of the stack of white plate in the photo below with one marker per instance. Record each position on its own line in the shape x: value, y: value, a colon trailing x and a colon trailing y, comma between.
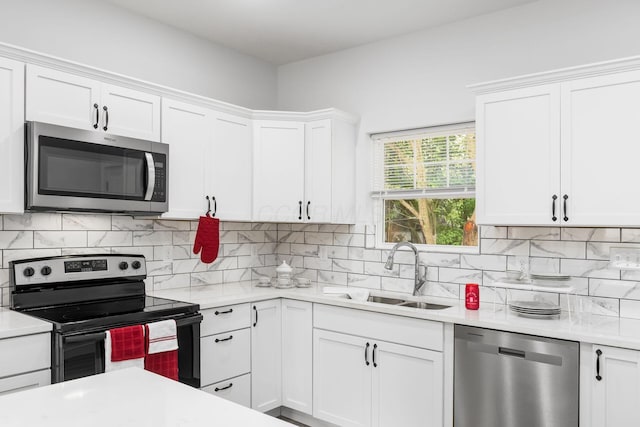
x: 535, y: 309
x: 550, y: 276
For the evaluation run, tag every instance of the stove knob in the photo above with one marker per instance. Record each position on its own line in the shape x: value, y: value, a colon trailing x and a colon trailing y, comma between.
x: 46, y: 270
x: 28, y: 272
x: 123, y: 265
x: 135, y: 265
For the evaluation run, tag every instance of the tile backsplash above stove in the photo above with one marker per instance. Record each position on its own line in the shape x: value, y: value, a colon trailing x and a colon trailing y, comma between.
x: 335, y: 254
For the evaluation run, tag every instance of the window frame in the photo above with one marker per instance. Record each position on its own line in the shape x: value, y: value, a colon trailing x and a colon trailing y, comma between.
x: 379, y: 196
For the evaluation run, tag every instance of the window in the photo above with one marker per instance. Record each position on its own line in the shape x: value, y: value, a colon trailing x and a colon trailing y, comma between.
x: 424, y: 185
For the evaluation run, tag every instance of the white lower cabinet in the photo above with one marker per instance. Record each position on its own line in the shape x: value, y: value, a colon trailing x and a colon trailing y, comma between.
x: 25, y: 381
x: 610, y: 386
x: 297, y: 355
x: 236, y: 389
x: 225, y: 353
x: 370, y: 381
x: 266, y: 355
x: 25, y: 362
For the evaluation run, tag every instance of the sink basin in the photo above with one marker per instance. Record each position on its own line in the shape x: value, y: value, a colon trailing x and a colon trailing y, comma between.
x: 423, y: 305
x: 385, y: 300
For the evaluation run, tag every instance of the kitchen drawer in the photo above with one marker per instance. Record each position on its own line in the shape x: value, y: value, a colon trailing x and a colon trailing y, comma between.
x: 223, y: 319
x: 25, y: 381
x: 236, y: 389
x: 229, y: 357
x: 397, y: 329
x: 25, y: 354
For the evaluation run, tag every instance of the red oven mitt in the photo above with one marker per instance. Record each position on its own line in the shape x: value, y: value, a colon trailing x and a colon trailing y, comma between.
x: 207, y: 239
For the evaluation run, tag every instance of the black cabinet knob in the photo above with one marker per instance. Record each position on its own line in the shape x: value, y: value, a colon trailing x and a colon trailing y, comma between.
x: 28, y: 272
x: 123, y: 265
x: 135, y: 265
x: 46, y: 270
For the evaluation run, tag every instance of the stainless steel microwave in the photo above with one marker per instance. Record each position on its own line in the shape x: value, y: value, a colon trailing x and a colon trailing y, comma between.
x: 79, y: 170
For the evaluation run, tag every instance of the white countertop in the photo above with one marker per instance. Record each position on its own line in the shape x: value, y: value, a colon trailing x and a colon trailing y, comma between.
x: 14, y: 324
x: 129, y: 397
x: 603, y: 330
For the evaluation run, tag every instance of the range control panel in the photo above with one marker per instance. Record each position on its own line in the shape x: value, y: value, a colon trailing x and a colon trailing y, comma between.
x: 65, y: 269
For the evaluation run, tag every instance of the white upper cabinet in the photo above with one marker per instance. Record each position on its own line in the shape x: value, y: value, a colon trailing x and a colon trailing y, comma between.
x: 229, y: 167
x: 561, y: 153
x: 278, y: 182
x: 11, y: 136
x: 518, y: 149
x: 304, y: 172
x: 188, y: 131
x: 69, y: 100
x: 600, y: 150
x: 130, y: 113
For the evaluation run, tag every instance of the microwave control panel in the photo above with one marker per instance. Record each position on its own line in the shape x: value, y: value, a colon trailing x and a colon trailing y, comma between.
x: 160, y: 189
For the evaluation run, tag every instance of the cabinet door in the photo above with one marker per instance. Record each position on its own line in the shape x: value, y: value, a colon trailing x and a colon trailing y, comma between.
x: 342, y: 378
x: 61, y: 98
x: 317, y: 173
x: 404, y: 379
x: 11, y: 136
x: 187, y: 130
x: 230, y: 167
x: 278, y: 180
x: 25, y: 381
x: 518, y: 156
x: 297, y: 355
x: 225, y: 356
x: 616, y: 397
x: 266, y: 356
x: 130, y: 113
x: 600, y: 150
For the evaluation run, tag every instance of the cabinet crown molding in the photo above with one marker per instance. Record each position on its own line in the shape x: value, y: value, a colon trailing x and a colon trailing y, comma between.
x: 53, y: 62
x: 558, y: 75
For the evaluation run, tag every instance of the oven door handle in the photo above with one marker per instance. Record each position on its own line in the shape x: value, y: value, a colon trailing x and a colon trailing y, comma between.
x: 151, y: 176
x: 98, y: 336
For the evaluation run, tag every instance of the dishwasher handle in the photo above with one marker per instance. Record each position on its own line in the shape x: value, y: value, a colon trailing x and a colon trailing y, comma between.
x: 511, y: 352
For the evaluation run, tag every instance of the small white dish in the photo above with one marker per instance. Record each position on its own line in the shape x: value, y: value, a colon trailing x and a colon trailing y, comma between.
x: 303, y: 282
x: 264, y: 282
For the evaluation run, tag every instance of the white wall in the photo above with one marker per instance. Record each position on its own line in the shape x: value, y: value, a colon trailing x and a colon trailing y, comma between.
x: 420, y: 79
x: 102, y: 35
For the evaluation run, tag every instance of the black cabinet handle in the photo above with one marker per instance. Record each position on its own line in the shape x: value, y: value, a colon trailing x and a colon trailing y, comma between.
x: 366, y: 354
x: 106, y: 118
x: 308, y: 204
x: 224, y: 339
x: 217, y: 313
x: 375, y: 347
x: 223, y: 388
x: 300, y: 210
x: 598, y: 376
x: 564, y: 208
x: 95, y: 125
x: 554, y: 218
x: 256, y: 311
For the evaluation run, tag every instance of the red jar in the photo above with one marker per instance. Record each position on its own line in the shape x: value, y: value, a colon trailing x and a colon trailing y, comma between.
x: 472, y: 296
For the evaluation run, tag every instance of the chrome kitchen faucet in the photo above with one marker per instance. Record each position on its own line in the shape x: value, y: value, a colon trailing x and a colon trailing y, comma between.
x: 419, y: 282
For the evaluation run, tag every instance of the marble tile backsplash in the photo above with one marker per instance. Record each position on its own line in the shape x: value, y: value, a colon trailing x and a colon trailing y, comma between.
x: 337, y: 255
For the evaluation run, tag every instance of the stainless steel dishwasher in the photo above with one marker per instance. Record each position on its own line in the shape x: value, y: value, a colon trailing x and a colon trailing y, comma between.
x: 504, y: 379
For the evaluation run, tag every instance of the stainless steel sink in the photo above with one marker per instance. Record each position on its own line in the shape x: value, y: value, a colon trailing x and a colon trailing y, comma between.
x: 404, y: 303
x: 385, y: 300
x: 423, y: 305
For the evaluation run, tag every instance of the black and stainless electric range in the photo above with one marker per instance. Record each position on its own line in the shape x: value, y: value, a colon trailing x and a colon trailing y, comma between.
x: 84, y: 296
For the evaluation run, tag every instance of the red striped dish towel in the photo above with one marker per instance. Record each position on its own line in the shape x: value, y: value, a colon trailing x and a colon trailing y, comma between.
x: 124, y: 348
x: 162, y: 348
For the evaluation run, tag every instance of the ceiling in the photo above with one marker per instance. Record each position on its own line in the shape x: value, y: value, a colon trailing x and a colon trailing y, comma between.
x: 283, y: 31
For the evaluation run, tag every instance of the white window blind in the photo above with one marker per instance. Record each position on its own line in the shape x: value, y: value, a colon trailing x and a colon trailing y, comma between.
x: 437, y: 162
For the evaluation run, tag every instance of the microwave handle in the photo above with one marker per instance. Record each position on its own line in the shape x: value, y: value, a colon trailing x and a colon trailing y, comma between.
x: 151, y: 176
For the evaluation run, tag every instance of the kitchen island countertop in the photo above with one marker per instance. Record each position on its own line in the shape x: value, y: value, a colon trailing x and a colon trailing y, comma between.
x: 129, y: 397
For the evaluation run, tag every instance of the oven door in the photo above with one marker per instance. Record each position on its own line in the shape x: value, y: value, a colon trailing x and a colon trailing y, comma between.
x: 81, y: 355
x: 71, y: 169
x: 78, y: 356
